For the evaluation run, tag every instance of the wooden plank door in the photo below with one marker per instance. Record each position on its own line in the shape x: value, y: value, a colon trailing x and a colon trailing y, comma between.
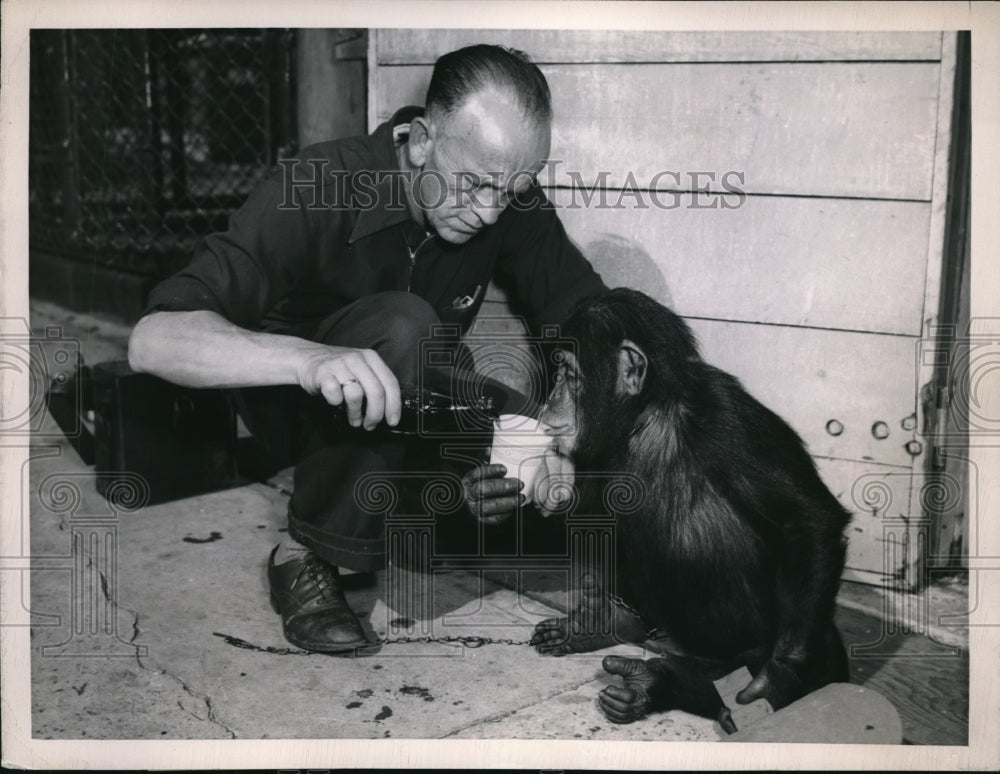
x: 784, y: 192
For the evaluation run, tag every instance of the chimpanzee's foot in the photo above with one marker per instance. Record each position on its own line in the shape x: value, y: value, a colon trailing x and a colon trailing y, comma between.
x: 631, y: 701
x: 595, y: 623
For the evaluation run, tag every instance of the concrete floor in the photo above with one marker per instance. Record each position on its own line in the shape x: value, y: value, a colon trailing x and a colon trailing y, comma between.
x: 136, y: 615
x: 155, y: 624
x: 173, y: 577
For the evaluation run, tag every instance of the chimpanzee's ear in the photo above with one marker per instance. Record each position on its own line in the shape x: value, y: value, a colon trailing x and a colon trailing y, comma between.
x: 631, y: 368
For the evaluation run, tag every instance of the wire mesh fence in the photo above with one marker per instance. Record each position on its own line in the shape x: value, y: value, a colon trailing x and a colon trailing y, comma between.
x: 143, y: 141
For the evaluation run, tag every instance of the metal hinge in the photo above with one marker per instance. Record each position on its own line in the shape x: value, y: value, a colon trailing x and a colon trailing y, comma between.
x: 939, y: 459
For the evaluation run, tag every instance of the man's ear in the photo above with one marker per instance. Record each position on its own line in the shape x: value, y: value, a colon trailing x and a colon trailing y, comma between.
x: 421, y: 139
x: 632, y: 366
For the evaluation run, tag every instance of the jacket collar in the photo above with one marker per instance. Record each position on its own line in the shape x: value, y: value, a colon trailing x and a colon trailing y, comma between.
x: 381, y: 159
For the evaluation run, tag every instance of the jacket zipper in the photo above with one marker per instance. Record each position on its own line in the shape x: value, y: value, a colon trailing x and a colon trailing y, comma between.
x: 413, y: 258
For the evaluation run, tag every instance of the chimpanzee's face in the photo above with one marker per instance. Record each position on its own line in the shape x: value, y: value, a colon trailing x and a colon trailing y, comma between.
x: 561, y: 416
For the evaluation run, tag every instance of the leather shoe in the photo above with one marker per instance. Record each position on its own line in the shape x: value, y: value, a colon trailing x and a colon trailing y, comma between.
x: 314, y: 614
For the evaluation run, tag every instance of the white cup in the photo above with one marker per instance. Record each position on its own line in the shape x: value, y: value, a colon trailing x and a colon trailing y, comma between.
x: 519, y: 445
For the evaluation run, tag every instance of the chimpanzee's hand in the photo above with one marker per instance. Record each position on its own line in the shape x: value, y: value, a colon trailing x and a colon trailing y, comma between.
x: 778, y: 681
x: 629, y: 702
x: 491, y: 497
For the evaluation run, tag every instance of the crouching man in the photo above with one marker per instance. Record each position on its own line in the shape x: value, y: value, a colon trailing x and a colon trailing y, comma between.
x: 330, y: 275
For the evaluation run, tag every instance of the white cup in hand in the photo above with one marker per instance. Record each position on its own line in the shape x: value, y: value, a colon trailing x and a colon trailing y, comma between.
x: 519, y: 445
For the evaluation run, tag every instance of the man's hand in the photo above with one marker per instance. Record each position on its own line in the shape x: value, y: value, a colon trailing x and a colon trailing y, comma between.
x: 357, y: 378
x: 491, y: 497
x: 203, y: 349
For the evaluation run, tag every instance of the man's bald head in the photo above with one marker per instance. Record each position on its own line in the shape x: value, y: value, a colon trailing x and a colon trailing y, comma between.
x: 482, y: 141
x: 461, y: 74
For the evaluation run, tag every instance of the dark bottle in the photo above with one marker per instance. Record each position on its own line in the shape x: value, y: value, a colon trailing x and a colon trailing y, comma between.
x: 426, y: 412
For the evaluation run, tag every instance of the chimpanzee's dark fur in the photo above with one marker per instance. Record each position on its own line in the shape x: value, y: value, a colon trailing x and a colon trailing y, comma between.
x: 738, y: 548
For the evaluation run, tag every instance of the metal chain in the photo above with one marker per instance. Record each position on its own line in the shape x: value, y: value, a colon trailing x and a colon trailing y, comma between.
x: 617, y: 601
x: 469, y: 641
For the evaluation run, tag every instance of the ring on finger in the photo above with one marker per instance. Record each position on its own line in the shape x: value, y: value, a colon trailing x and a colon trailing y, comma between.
x: 348, y: 381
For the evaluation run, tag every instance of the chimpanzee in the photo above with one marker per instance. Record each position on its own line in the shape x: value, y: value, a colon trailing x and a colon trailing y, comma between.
x: 736, y: 550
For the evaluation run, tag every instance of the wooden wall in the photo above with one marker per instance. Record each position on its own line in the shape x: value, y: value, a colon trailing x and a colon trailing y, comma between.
x: 330, y: 83
x: 816, y: 286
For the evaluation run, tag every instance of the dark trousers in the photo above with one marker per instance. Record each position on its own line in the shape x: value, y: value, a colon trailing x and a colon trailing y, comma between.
x: 328, y: 512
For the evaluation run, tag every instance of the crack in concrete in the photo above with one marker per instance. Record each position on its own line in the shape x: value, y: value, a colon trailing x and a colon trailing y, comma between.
x: 210, y: 715
x: 507, y: 713
x: 206, y: 700
x: 203, y: 698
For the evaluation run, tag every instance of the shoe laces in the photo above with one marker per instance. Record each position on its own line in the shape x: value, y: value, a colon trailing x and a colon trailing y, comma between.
x: 322, y: 575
